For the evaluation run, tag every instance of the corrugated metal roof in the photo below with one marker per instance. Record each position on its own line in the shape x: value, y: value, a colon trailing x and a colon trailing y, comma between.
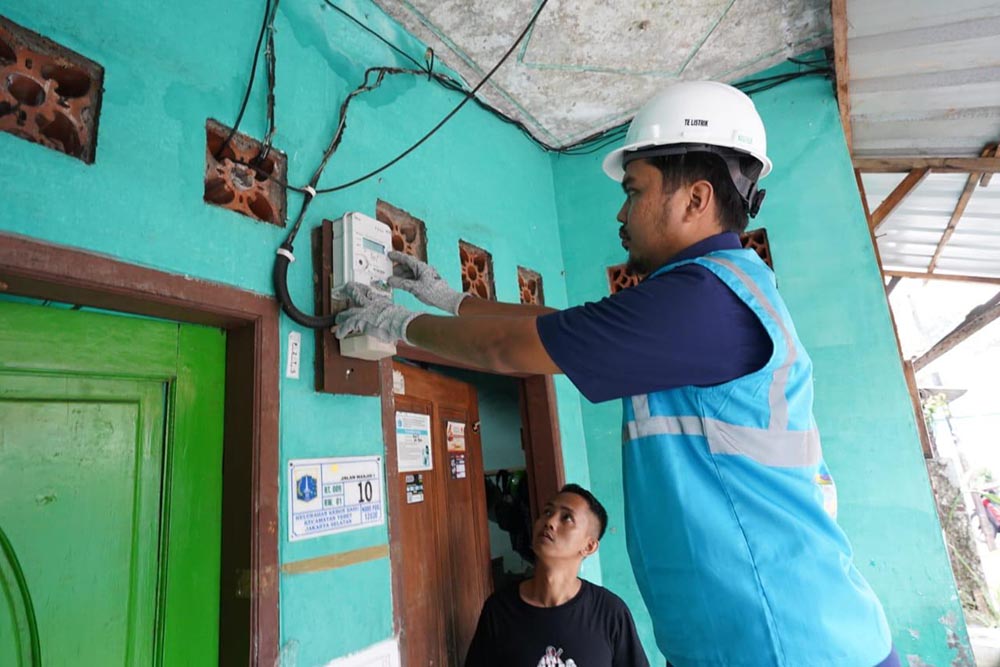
x: 924, y: 76
x: 908, y: 237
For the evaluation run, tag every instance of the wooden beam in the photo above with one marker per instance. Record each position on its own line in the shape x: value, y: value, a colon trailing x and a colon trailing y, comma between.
x: 910, y: 375
x: 938, y: 165
x: 838, y: 10
x: 921, y: 275
x: 896, y: 197
x: 977, y: 318
x: 985, y: 180
x: 956, y: 216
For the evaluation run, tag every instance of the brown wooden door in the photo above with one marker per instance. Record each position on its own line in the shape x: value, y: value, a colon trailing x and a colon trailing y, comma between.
x: 440, y: 542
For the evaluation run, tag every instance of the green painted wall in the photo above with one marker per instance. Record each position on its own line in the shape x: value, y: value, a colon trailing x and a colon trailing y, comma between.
x: 827, y: 273
x: 168, y: 67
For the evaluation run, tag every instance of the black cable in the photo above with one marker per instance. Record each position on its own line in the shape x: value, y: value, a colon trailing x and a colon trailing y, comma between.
x: 253, y: 75
x: 284, y: 253
x: 378, y: 36
x: 444, y: 120
x: 269, y: 59
x: 449, y: 82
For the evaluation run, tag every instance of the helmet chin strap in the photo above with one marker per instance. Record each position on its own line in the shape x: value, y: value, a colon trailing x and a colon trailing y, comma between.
x: 745, y: 185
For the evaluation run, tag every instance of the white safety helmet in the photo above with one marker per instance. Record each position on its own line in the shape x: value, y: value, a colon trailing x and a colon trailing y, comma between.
x: 693, y: 116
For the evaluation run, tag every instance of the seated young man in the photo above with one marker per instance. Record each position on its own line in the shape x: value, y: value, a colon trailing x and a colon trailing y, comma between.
x: 556, y: 619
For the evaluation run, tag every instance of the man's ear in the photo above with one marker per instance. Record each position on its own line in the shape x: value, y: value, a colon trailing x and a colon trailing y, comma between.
x: 700, y: 199
x: 590, y: 547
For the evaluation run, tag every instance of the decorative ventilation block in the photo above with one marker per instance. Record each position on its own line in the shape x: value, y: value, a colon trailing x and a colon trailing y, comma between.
x: 620, y: 277
x: 530, y: 284
x: 409, y: 234
x: 756, y: 240
x: 477, y: 271
x: 48, y: 94
x: 238, y: 179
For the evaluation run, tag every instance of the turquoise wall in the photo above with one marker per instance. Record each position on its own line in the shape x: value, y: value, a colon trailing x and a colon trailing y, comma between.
x: 827, y: 273
x: 168, y: 67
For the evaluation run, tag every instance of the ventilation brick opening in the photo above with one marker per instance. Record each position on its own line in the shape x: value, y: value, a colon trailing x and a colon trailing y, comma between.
x: 477, y: 271
x: 409, y: 234
x: 530, y: 286
x: 756, y: 240
x: 49, y: 94
x: 230, y: 181
x: 621, y: 277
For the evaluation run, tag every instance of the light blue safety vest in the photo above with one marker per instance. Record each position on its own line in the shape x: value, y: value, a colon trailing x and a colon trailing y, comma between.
x: 736, y: 558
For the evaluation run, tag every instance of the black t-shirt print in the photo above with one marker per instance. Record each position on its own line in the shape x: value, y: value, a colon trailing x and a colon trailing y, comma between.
x: 594, y: 629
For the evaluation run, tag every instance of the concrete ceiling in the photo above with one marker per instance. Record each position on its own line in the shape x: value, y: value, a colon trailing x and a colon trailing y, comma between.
x: 587, y: 65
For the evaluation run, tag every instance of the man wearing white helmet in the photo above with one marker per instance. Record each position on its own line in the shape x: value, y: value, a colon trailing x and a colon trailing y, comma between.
x: 728, y: 507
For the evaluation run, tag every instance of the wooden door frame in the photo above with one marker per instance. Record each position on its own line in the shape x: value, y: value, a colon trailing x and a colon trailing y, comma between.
x: 35, y: 269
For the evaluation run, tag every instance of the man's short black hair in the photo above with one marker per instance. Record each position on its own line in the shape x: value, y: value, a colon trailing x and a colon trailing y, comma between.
x: 593, y: 503
x: 679, y: 170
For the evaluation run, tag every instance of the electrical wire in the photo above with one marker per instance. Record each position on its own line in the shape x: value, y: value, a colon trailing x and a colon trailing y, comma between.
x: 585, y: 146
x: 284, y: 255
x: 378, y: 36
x: 253, y: 75
x: 269, y: 59
x: 450, y: 115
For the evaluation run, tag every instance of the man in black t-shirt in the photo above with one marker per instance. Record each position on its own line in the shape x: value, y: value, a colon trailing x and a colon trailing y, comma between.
x: 556, y: 619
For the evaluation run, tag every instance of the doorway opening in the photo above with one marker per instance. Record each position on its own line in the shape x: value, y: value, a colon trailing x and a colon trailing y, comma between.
x: 507, y: 479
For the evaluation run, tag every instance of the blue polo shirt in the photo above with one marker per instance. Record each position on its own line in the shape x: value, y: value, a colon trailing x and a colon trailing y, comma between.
x: 685, y: 327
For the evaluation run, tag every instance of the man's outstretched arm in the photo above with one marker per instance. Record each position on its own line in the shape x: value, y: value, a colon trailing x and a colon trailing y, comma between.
x: 498, y: 344
x: 473, y: 306
x: 502, y: 344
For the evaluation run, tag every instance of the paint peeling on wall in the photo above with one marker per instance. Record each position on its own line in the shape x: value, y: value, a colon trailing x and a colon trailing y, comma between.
x: 955, y: 634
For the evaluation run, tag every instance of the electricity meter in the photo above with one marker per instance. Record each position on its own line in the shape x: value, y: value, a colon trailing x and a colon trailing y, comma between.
x: 360, y: 245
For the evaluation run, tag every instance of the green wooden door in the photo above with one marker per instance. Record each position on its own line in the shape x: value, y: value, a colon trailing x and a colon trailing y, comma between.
x: 110, y: 489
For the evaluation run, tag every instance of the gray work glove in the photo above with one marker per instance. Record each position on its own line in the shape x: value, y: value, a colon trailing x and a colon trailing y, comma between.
x: 424, y: 282
x: 373, y: 314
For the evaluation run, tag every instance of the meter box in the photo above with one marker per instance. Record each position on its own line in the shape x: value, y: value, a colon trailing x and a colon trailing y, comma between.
x: 360, y: 245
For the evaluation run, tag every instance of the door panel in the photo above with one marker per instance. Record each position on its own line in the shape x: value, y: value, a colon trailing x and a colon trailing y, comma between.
x: 423, y: 603
x: 467, y: 533
x: 80, y: 465
x: 444, y: 540
x: 193, y: 501
x: 110, y: 485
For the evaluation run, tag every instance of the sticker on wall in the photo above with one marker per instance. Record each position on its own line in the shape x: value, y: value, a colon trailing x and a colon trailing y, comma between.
x: 333, y: 495
x: 294, y: 353
x: 413, y: 442
x: 455, y: 435
x: 457, y: 464
x: 415, y: 488
x: 398, y: 382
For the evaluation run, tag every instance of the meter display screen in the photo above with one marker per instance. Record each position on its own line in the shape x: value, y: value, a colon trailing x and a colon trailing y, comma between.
x: 371, y: 245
